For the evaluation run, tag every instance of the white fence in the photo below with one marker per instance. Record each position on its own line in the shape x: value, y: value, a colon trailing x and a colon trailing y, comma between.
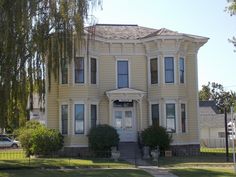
x: 215, y: 143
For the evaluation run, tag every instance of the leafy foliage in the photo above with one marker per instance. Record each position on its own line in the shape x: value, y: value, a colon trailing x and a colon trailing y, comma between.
x: 36, y: 139
x: 30, y: 31
x: 156, y: 135
x: 231, y: 8
x: 102, y: 138
x: 214, y: 91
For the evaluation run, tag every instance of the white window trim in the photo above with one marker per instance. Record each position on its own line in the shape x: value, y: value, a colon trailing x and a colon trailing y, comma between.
x: 164, y: 71
x: 85, y: 118
x: 150, y: 112
x: 60, y: 74
x: 176, y: 115
x: 97, y: 67
x: 186, y: 119
x: 129, y: 73
x: 184, y: 70
x: 85, y: 71
x: 149, y: 70
x: 60, y: 120
x: 97, y: 111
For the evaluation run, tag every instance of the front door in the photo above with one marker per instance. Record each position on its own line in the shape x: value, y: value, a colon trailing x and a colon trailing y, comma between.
x: 124, y: 122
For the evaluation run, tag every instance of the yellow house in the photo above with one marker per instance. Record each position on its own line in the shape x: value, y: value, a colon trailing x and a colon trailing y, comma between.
x: 129, y: 77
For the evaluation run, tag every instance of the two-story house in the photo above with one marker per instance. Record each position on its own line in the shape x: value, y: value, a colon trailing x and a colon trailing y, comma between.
x: 129, y: 77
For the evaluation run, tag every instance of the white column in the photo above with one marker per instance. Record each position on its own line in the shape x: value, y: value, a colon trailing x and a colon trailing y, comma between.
x: 110, y: 111
x: 141, y: 114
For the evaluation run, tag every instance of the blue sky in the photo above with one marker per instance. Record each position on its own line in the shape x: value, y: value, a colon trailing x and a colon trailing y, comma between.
x: 216, y: 59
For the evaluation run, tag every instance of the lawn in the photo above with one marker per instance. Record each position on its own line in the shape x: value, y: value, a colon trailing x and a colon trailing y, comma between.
x: 204, y: 171
x: 75, y: 173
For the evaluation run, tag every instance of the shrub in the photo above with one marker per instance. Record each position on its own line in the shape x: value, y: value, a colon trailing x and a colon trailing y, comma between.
x: 36, y: 139
x: 102, y: 138
x: 156, y: 135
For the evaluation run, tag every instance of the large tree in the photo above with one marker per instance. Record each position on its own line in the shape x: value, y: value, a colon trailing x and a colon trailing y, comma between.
x: 30, y: 32
x: 231, y: 8
x: 214, y: 91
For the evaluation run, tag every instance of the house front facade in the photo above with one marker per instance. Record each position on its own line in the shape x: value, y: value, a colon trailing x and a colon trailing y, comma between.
x: 129, y: 77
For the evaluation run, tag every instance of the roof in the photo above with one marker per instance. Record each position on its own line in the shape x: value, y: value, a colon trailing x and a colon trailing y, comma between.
x: 131, y: 31
x: 208, y: 107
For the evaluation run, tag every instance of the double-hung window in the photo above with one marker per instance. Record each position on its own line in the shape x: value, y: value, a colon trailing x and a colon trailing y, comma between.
x: 79, y: 118
x: 64, y: 71
x: 170, y: 118
x: 169, y: 70
x: 183, y: 118
x: 79, y: 69
x: 122, y: 74
x: 154, y: 71
x: 64, y: 119
x: 93, y: 70
x: 155, y: 114
x: 93, y: 115
x: 181, y: 70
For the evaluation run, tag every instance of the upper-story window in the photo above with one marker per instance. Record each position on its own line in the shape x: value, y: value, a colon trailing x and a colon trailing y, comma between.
x: 79, y: 69
x: 64, y: 71
x: 169, y: 70
x: 154, y: 71
x: 181, y: 70
x: 122, y: 74
x: 93, y: 70
x: 170, y: 117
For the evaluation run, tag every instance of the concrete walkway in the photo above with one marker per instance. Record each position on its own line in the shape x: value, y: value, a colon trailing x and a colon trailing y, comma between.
x: 157, y: 171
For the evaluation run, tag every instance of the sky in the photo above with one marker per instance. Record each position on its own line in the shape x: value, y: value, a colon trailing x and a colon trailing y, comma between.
x: 216, y: 59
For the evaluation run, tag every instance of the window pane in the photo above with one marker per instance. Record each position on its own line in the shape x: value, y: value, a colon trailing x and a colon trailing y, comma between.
x: 128, y: 119
x: 79, y: 118
x: 93, y: 115
x: 64, y: 71
x: 122, y: 67
x: 123, y: 81
x: 183, y: 118
x: 169, y: 69
x: 79, y: 70
x: 181, y: 70
x: 64, y: 119
x: 118, y: 119
x: 170, y: 117
x: 155, y: 114
x: 153, y: 68
x: 93, y: 71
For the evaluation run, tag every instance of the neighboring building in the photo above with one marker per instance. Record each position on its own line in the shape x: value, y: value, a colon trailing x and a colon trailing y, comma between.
x: 212, y: 125
x: 129, y: 77
x: 38, y: 111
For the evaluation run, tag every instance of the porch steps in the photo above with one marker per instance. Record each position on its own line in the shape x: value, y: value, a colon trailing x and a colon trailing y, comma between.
x: 129, y: 150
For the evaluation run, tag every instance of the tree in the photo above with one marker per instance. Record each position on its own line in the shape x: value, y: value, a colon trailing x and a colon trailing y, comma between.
x: 30, y: 32
x: 231, y: 8
x: 216, y: 92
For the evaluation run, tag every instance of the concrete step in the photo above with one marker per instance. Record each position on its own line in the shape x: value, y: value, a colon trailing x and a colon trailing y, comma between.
x: 129, y: 150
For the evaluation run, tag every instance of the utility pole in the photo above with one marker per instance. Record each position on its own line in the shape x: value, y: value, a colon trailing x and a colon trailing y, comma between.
x: 226, y: 137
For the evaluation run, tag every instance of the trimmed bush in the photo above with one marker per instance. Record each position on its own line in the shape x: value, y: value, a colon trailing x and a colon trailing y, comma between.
x: 36, y: 139
x: 156, y: 135
x: 102, y: 138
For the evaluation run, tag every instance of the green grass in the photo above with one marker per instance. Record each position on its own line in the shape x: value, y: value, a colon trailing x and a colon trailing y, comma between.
x: 16, y: 159
x: 75, y: 173
x: 206, y: 172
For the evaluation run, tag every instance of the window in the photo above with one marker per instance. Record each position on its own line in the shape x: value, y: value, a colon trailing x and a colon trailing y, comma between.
x: 93, y: 68
x: 221, y: 134
x: 79, y: 119
x: 183, y: 118
x: 64, y: 71
x: 79, y: 70
x: 93, y: 115
x: 170, y: 118
x: 123, y: 74
x: 155, y: 114
x: 64, y: 119
x: 153, y: 69
x: 169, y: 70
x: 181, y: 70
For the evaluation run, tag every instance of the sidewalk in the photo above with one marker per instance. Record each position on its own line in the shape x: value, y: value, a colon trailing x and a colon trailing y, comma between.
x: 157, y: 171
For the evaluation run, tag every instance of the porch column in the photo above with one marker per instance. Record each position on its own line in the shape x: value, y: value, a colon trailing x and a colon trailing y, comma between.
x: 141, y: 114
x: 110, y: 111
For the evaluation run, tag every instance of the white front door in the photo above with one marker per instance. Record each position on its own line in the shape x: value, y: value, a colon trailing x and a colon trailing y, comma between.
x: 124, y: 122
